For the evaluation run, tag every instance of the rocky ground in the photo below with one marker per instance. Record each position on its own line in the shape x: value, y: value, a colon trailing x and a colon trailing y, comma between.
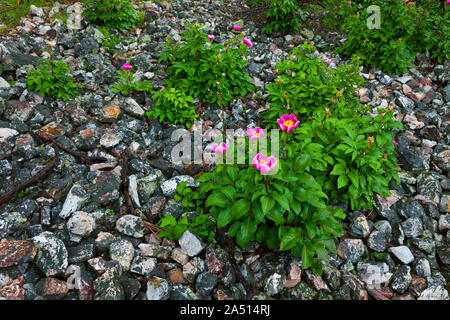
x: 69, y: 236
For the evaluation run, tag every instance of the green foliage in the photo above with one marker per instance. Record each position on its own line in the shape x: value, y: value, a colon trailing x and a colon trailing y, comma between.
x: 201, y: 225
x: 306, y: 85
x: 111, y: 40
x: 188, y: 198
x: 52, y: 79
x: 213, y: 72
x: 346, y: 163
x: 116, y: 14
x: 173, y: 105
x: 255, y: 3
x: 23, y: 193
x: 387, y: 47
x: 110, y: 212
x: 127, y: 84
x: 284, y: 16
x: 286, y: 210
x: 432, y: 30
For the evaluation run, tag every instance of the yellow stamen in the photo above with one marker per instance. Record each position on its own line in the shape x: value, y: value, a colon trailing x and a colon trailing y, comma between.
x: 288, y: 123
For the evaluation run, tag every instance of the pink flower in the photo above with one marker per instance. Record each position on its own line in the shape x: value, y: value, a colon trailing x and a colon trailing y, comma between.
x: 288, y: 122
x: 407, y: 1
x: 328, y: 61
x: 211, y: 37
x: 247, y: 42
x: 127, y: 66
x: 395, y: 142
x: 220, y: 148
x: 264, y: 164
x: 349, y: 3
x: 237, y: 28
x: 120, y: 6
x: 385, y: 155
x: 448, y: 2
x: 255, y: 134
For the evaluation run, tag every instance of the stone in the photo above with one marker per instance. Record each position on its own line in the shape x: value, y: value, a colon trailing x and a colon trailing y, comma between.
x: 123, y: 252
x: 16, y: 252
x: 444, y: 223
x: 157, y: 289
x: 205, y: 283
x: 4, y: 85
x: 143, y: 265
x: 274, y: 284
x: 181, y: 292
x: 303, y: 291
x: 377, y: 241
x: 74, y: 200
x: 351, y: 249
x: 169, y: 187
x: 428, y: 185
x: 52, y: 288
x: 412, y: 227
x: 316, y: 282
x: 401, y: 279
x: 10, y: 222
x: 191, y: 244
x: 52, y: 256
x: 155, y: 250
x: 444, y: 254
x: 373, y: 274
x: 14, y: 290
x: 108, y: 286
x: 402, y: 253
x: 193, y: 268
x: 180, y: 256
x: 434, y: 293
x: 130, y: 225
x: 422, y: 268
x: 294, y: 273
x: 405, y: 103
x: 131, y: 107
x: 360, y: 227
x: 81, y: 224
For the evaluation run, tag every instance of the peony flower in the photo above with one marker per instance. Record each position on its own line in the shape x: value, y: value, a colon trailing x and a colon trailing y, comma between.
x: 395, y: 142
x: 211, y: 37
x: 264, y: 164
x: 371, y: 139
x: 448, y: 2
x: 247, y: 42
x: 328, y: 61
x: 237, y: 28
x: 120, y: 6
x: 255, y: 134
x: 220, y: 148
x: 288, y: 122
x: 127, y: 66
x: 385, y: 155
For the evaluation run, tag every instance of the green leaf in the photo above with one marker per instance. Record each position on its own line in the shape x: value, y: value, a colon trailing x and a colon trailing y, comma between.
x: 267, y: 203
x: 342, y: 181
x: 224, y: 218
x: 240, y: 208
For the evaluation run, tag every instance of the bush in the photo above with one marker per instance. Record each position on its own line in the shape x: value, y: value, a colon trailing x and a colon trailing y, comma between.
x: 386, y: 48
x: 210, y: 71
x: 173, y: 105
x: 305, y: 85
x: 115, y: 14
x: 351, y: 158
x: 52, y: 79
x: 284, y: 16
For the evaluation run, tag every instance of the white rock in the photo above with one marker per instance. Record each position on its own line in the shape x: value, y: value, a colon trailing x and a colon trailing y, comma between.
x: 6, y: 133
x: 132, y: 189
x: 191, y: 244
x: 4, y: 84
x: 81, y: 224
x: 169, y: 187
x: 403, y: 254
x: 74, y: 200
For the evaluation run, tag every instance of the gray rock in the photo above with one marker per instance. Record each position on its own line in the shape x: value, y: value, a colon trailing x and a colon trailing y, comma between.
x: 52, y: 257
x: 351, y: 249
x: 133, y: 108
x: 158, y: 289
x: 36, y: 11
x: 428, y: 185
x: 274, y: 284
x: 422, y: 268
x: 143, y: 265
x: 402, y: 253
x: 434, y: 293
x: 130, y: 225
x: 191, y: 244
x: 169, y: 187
x: 181, y: 292
x: 377, y: 241
x: 373, y: 274
x: 74, y: 200
x: 360, y: 226
x: 108, y: 286
x: 412, y: 227
x: 205, y: 283
x: 401, y: 279
x: 4, y: 85
x: 11, y: 221
x: 444, y: 223
x: 81, y: 224
x: 123, y: 252
x: 405, y: 103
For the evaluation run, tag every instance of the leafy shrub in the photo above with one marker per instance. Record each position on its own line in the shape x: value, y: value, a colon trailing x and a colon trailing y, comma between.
x: 111, y: 40
x: 255, y: 3
x: 52, y: 79
x: 306, y: 85
x: 351, y: 158
x: 173, y: 105
x: 116, y: 14
x: 201, y: 225
x: 386, y: 48
x: 432, y: 29
x: 127, y: 84
x: 210, y: 71
x: 284, y: 16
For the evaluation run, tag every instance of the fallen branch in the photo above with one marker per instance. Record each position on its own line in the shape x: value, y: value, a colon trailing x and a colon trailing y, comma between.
x: 237, y: 271
x: 84, y: 158
x: 153, y: 228
x: 7, y: 196
x: 125, y: 183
